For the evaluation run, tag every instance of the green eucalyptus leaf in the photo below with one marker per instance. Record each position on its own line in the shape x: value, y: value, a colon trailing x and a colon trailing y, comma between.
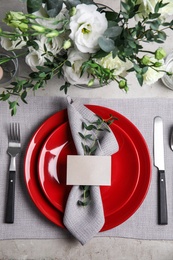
x: 137, y: 68
x: 87, y: 149
x: 34, y: 44
x: 23, y: 96
x: 81, y: 135
x: 14, y: 111
x: 72, y: 3
x: 144, y: 69
x: 4, y: 97
x: 68, y: 63
x: 140, y: 78
x: 90, y: 127
x: 165, y: 24
x: 100, y: 54
x: 112, y: 24
x: 33, y: 5
x: 106, y: 44
x: 53, y: 7
x: 157, y: 7
x: 98, y: 122
x: 112, y: 16
x: 125, y: 6
x: 125, y: 15
x: 28, y: 85
x: 149, y: 35
x: 44, y: 69
x: 82, y: 203
x: 65, y: 87
x: 37, y: 86
x: 93, y: 149
x: 162, y: 35
x: 132, y: 44
x: 131, y: 69
x: 155, y: 25
x: 113, y: 32
x: 154, y: 15
x: 84, y: 126
x: 13, y: 106
x: 87, y: 193
x: 34, y: 75
x: 114, y: 52
x: 87, y: 2
x: 89, y: 137
x: 82, y: 187
x: 42, y: 75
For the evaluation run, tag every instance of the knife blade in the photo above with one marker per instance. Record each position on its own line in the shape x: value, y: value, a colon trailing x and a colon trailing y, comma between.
x: 160, y: 164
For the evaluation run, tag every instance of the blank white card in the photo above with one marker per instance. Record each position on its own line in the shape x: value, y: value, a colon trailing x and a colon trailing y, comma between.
x: 88, y: 170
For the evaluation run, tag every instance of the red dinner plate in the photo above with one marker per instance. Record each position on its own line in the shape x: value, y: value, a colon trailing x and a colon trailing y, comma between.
x: 30, y: 166
x: 52, y: 169
x: 31, y: 161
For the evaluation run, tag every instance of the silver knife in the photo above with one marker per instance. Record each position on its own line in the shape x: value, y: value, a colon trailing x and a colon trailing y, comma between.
x: 159, y: 163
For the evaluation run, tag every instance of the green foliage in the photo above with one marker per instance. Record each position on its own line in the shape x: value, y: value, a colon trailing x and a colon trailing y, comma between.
x: 121, y: 39
x: 65, y: 87
x: 53, y: 6
x: 33, y: 5
x: 85, y: 195
x: 35, y: 81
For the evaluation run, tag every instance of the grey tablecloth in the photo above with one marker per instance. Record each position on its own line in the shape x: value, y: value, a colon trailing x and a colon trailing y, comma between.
x: 30, y: 223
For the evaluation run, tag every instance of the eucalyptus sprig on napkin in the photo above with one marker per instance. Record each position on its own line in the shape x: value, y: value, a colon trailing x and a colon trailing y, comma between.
x: 86, y: 44
x: 90, y: 143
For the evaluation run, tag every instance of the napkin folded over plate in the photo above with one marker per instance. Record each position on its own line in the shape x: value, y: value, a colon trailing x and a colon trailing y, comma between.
x: 83, y: 222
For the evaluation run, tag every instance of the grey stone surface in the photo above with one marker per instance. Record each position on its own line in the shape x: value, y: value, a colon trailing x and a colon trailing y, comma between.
x: 97, y: 249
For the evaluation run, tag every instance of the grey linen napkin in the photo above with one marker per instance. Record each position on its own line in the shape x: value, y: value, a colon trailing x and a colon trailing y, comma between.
x: 84, y: 222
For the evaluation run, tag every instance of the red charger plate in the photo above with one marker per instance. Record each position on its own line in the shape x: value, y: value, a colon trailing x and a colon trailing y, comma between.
x: 52, y: 169
x: 31, y: 160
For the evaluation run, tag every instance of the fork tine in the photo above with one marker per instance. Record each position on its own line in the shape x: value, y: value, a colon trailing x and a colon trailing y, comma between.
x: 14, y: 133
x: 18, y: 136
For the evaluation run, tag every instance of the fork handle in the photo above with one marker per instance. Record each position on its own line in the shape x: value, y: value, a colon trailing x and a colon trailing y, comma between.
x: 9, y: 217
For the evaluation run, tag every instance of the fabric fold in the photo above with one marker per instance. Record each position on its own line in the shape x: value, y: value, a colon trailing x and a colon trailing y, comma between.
x: 83, y: 222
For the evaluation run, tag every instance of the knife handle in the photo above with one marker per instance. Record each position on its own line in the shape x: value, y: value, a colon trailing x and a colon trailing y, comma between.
x: 9, y: 217
x: 163, y: 215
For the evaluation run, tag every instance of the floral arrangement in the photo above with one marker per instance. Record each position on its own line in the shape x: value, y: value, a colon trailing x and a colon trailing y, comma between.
x: 85, y: 43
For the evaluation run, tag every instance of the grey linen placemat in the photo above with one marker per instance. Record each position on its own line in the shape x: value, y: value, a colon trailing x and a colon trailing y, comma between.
x: 30, y: 223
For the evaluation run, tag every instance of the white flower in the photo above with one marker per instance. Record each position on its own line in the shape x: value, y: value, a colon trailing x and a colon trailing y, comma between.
x: 55, y: 45
x: 120, y: 67
x: 37, y: 57
x: 51, y: 22
x: 34, y: 58
x: 154, y: 74
x: 9, y: 45
x: 147, y: 6
x: 87, y: 25
x: 72, y: 74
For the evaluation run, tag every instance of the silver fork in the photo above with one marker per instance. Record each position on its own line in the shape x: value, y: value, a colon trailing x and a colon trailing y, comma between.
x: 14, y: 147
